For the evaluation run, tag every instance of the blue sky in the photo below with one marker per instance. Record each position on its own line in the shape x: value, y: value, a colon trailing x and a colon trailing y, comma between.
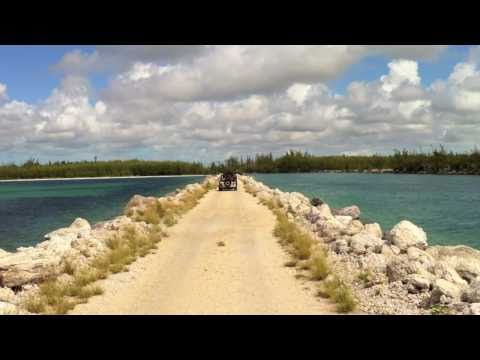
x: 371, y: 68
x: 192, y: 102
x: 29, y: 74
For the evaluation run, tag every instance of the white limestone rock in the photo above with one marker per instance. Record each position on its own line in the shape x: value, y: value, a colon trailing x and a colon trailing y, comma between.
x: 406, y: 234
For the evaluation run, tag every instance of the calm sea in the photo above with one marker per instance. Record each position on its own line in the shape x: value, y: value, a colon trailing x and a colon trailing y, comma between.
x: 447, y: 207
x: 29, y: 210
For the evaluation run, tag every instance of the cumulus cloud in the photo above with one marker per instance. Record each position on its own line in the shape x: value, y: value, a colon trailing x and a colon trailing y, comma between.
x: 210, y: 101
x: 3, y: 91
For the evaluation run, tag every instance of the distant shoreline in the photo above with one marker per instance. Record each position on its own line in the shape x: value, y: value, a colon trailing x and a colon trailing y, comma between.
x: 97, y: 177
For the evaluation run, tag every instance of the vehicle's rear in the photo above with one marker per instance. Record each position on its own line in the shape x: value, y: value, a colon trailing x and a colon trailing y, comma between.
x: 227, y: 181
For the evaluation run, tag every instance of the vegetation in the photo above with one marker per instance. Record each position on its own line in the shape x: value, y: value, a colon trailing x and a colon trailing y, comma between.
x: 339, y: 292
x: 438, y: 161
x: 302, y: 246
x: 33, y: 169
x: 366, y: 277
x: 439, y: 309
x: 58, y: 296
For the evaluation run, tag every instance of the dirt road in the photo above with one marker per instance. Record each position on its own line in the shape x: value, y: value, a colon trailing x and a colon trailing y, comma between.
x: 191, y: 274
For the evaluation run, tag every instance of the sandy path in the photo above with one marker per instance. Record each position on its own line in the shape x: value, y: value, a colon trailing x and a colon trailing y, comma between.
x: 191, y: 274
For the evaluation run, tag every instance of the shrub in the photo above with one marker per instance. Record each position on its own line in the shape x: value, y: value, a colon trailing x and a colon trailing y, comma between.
x: 340, y: 293
x: 319, y: 267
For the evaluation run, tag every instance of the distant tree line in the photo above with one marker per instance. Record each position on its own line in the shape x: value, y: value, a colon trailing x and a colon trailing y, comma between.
x: 32, y: 169
x: 439, y: 161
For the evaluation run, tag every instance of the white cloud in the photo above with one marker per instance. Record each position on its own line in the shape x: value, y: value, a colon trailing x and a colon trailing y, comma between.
x: 210, y: 101
x: 3, y: 92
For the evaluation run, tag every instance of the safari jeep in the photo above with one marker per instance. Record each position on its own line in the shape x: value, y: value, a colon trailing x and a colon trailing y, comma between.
x: 228, y: 181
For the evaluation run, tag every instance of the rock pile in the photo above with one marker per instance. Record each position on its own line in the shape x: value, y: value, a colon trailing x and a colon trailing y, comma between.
x: 406, y: 276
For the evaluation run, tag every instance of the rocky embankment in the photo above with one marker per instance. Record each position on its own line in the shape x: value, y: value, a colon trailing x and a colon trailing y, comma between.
x: 78, y: 245
x: 390, y: 272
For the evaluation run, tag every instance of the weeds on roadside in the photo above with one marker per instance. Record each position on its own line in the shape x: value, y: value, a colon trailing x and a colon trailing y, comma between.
x: 439, y: 309
x: 340, y: 293
x: 300, y: 245
x: 319, y: 266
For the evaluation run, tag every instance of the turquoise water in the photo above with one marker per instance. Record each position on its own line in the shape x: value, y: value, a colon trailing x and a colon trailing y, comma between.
x: 447, y: 207
x: 29, y: 210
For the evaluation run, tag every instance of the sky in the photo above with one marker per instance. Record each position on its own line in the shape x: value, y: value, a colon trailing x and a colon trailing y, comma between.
x: 208, y: 102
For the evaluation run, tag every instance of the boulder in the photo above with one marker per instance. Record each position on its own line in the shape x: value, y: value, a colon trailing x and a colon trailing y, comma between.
x: 390, y: 250
x: 8, y: 309
x: 345, y: 220
x: 422, y: 257
x: 363, y: 242
x: 375, y: 262
x: 329, y: 228
x: 417, y: 283
x: 341, y: 246
x: 324, y: 212
x: 465, y: 260
x: 353, y: 228
x: 445, y: 292
x: 475, y: 309
x: 406, y: 234
x: 353, y: 211
x: 28, y: 267
x: 472, y: 295
x: 302, y: 209
x: 443, y: 271
x: 398, y: 268
x: 374, y: 230
x: 7, y: 295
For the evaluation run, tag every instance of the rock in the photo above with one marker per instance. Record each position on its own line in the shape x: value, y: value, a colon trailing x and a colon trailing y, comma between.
x: 363, y: 241
x: 444, y: 292
x: 353, y: 228
x: 472, y: 295
x: 374, y: 230
x: 324, y: 212
x: 341, y: 246
x: 444, y: 271
x: 345, y: 220
x: 475, y: 309
x: 376, y: 262
x: 316, y: 202
x: 80, y: 225
x: 421, y: 256
x: 7, y: 295
x: 465, y: 260
x: 353, y: 211
x: 330, y: 229
x: 417, y: 283
x: 28, y: 267
x: 302, y: 209
x: 406, y: 234
x: 399, y: 268
x: 8, y: 309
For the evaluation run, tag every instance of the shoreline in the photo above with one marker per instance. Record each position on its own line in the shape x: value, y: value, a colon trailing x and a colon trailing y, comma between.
x: 98, y: 177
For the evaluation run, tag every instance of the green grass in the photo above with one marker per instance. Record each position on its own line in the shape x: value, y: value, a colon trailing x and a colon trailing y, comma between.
x: 319, y: 267
x: 440, y: 310
x: 340, y: 293
x: 366, y: 277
